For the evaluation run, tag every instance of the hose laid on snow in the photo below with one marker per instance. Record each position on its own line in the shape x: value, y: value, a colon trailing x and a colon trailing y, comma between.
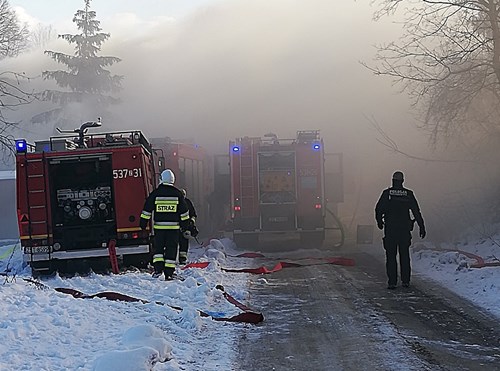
x: 247, y: 315
x: 278, y: 266
x: 480, y: 263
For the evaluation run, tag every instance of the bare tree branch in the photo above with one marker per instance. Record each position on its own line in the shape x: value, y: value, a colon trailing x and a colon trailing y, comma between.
x: 448, y: 62
x: 13, y: 36
x: 391, y: 144
x: 13, y: 40
x: 12, y: 96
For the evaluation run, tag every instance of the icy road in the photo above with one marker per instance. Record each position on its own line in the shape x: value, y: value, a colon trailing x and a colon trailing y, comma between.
x: 329, y: 317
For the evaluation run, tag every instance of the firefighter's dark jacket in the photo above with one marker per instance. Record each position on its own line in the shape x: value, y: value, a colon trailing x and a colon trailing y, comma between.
x: 168, y: 208
x: 192, y: 210
x: 393, y: 209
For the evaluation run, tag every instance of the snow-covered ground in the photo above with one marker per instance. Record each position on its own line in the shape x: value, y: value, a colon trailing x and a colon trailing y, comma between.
x: 452, y: 265
x: 43, y: 329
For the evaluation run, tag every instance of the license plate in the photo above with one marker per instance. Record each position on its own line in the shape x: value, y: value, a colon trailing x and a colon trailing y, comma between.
x: 278, y: 219
x: 38, y: 250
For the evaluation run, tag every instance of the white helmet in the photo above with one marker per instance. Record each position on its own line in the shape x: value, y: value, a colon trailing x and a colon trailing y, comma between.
x: 167, y: 177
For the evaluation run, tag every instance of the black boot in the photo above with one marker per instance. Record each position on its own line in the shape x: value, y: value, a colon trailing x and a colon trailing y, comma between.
x: 169, y: 274
x: 158, y: 269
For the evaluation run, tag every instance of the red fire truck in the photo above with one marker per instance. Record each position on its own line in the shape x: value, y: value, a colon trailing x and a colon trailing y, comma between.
x: 75, y: 196
x: 278, y: 188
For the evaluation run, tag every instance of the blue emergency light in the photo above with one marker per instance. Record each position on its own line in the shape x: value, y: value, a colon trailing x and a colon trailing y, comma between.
x: 236, y: 149
x: 21, y: 146
x: 316, y: 146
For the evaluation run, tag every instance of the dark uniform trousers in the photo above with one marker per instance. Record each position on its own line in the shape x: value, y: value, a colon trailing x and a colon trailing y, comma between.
x: 183, y: 247
x: 397, y: 240
x: 165, y: 243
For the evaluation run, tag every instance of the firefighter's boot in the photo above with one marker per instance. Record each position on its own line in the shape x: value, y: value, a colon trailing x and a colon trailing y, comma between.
x: 182, y: 257
x: 158, y: 269
x: 169, y: 270
x: 169, y: 273
x: 158, y: 263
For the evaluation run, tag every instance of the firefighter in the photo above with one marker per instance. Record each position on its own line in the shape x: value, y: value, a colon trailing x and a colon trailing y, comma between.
x: 189, y: 231
x: 167, y: 207
x: 392, y: 213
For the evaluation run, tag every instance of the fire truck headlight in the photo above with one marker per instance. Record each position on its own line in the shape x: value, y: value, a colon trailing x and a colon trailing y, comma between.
x: 84, y: 213
x: 21, y: 146
x: 316, y: 146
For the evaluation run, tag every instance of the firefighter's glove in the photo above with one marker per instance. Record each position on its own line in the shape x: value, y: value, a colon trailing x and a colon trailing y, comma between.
x: 422, y: 232
x: 143, y: 224
x: 186, y: 234
x: 194, y: 231
x: 380, y: 225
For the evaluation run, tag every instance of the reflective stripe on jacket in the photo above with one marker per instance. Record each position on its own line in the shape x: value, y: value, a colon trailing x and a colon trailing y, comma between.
x: 167, y: 208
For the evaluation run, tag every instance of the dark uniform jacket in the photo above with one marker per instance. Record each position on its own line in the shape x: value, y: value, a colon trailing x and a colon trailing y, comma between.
x: 393, y: 209
x: 167, y: 206
x: 192, y: 210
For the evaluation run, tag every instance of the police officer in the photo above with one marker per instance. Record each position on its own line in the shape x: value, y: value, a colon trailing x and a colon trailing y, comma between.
x: 167, y: 207
x: 189, y: 231
x: 392, y: 213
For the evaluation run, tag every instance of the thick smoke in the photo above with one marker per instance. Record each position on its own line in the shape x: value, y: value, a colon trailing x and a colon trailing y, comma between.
x: 246, y: 68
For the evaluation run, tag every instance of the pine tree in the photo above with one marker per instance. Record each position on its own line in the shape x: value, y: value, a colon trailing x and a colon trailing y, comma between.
x: 86, y: 81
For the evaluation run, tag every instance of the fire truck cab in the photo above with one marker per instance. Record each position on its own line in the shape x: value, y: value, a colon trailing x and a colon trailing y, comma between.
x: 278, y: 188
x: 75, y: 195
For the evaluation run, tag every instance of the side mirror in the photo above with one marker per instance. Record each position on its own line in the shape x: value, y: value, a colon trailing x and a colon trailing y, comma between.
x: 161, y: 163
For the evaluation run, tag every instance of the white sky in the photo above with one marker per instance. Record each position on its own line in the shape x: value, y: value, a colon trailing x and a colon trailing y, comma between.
x: 56, y: 12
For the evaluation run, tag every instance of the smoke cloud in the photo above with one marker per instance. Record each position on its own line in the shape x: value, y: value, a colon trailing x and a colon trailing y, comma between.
x: 246, y: 68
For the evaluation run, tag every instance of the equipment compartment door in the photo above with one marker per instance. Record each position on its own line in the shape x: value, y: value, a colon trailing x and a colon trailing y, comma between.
x: 277, y: 190
x: 83, y: 211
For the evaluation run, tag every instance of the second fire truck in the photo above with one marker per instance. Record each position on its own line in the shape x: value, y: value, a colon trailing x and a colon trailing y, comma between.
x: 278, y: 188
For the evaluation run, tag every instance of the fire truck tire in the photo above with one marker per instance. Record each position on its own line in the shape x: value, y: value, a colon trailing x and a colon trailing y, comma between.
x: 247, y: 241
x: 312, y: 240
